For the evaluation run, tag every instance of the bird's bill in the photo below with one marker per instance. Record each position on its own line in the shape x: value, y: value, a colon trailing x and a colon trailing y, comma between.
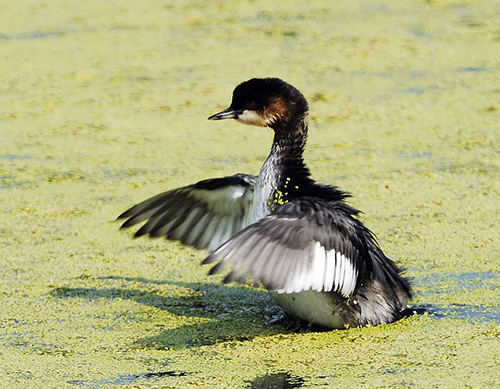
x: 228, y: 113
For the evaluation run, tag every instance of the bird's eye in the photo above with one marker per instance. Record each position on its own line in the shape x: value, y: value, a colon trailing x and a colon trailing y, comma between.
x: 250, y: 105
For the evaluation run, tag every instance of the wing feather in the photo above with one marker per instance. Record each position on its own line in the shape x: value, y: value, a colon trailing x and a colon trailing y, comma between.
x: 193, y: 237
x: 204, y: 215
x: 306, y: 244
x: 329, y: 270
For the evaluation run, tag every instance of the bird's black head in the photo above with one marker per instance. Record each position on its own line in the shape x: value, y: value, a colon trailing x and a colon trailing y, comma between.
x: 265, y: 102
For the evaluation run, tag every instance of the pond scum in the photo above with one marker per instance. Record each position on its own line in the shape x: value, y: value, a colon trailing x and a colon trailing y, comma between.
x: 105, y: 103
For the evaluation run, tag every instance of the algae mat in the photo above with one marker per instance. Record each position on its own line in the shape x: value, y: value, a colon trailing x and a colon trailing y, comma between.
x: 104, y: 104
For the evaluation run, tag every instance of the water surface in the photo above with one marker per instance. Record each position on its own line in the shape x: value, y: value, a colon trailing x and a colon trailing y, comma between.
x: 104, y: 104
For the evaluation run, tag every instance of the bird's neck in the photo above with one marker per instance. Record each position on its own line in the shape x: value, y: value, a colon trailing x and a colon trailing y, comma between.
x: 289, y: 142
x: 283, y: 171
x: 285, y: 162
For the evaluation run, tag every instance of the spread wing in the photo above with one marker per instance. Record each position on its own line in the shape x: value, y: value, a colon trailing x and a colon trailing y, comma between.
x: 203, y: 215
x: 305, y: 244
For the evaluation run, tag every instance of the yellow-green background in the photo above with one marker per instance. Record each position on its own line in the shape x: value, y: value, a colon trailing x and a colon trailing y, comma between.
x: 104, y: 103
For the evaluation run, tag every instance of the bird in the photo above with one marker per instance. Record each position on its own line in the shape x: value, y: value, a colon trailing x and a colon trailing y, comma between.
x: 298, y: 238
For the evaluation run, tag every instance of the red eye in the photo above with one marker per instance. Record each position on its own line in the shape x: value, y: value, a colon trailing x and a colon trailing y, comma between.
x: 250, y: 105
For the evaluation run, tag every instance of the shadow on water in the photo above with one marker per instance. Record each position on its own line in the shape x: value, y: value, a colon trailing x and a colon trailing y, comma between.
x: 229, y: 313
x: 239, y: 314
x: 280, y: 380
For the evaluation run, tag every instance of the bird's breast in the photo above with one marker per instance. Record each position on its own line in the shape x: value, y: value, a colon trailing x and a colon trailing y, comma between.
x: 321, y: 308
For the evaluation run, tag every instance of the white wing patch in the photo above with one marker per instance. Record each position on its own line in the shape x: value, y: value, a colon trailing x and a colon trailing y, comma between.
x: 227, y: 209
x: 222, y: 201
x: 325, y: 271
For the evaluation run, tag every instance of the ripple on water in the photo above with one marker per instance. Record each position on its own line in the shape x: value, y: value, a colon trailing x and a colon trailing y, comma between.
x: 448, y: 283
x: 461, y: 311
x: 124, y: 379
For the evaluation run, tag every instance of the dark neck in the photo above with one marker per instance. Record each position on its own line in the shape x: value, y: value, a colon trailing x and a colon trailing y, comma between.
x: 284, y: 174
x: 289, y: 142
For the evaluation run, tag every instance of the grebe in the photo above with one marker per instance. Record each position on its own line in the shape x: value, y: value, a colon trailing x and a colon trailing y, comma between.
x: 300, y: 239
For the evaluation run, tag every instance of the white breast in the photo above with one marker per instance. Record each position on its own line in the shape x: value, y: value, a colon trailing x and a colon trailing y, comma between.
x: 313, y: 307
